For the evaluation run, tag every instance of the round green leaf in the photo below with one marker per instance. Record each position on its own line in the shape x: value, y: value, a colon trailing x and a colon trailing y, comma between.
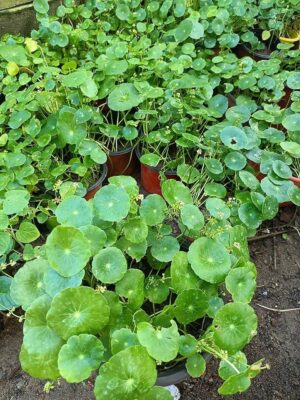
x: 281, y: 169
x: 15, y: 201
x: 235, y: 161
x: 109, y: 265
x: 215, y: 190
x: 292, y: 148
x: 249, y: 215
x: 280, y: 192
x: 249, y: 180
x: 79, y: 357
x: 156, y: 289
x: 68, y: 250
x: 162, y: 344
x: 241, y: 284
x: 40, y: 365
x: 176, y: 192
x: 27, y: 232
x: 235, y: 384
x: 112, y: 203
x: 294, y: 195
x: 270, y: 207
x: 196, y: 365
x: 28, y: 283
x: 165, y: 248
x: 136, y: 230
x: 214, y: 166
x: 192, y: 217
x: 239, y: 360
x: 183, y: 30
x: 78, y: 310
x: 292, y: 122
x: 158, y: 393
x: 209, y: 260
x: 190, y: 305
x: 188, y: 173
x: 127, y: 375
x: 234, y: 138
x: 153, y: 209
x: 217, y: 208
x: 121, y: 339
x: 234, y: 326
x: 74, y: 211
x: 124, y: 97
x: 187, y: 345
x: 293, y: 81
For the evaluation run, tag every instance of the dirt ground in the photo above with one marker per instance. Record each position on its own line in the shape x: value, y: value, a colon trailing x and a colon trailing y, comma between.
x: 278, y: 262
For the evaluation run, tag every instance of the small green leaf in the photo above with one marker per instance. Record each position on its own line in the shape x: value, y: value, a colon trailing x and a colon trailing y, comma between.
x: 109, y: 265
x: 196, y: 365
x: 112, y: 203
x: 79, y: 357
x: 27, y: 232
x: 241, y: 284
x: 162, y: 344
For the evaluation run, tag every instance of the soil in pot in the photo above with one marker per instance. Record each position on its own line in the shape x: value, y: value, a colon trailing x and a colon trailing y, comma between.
x: 123, y: 162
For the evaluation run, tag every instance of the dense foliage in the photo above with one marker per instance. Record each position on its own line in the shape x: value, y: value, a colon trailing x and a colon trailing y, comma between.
x: 208, y: 89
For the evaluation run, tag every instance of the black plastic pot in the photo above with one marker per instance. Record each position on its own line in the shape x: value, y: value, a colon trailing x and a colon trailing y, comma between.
x: 176, y: 375
x: 97, y: 185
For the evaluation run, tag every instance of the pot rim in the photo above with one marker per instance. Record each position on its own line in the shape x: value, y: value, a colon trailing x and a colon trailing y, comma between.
x: 177, y: 374
x: 256, y: 53
x: 121, y: 152
x: 100, y: 180
x: 155, y: 169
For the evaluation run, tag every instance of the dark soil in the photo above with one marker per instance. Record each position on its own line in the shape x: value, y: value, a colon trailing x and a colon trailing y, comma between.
x: 278, y: 263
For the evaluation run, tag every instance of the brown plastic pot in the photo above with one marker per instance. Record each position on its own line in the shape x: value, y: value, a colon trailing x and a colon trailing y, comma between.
x: 150, y: 176
x: 96, y: 186
x: 123, y: 162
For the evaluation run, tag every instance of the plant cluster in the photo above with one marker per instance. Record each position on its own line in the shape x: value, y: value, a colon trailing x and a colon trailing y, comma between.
x: 209, y: 94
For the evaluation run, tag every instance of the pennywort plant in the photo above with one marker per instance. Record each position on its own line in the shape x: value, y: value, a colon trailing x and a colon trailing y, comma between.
x: 106, y: 293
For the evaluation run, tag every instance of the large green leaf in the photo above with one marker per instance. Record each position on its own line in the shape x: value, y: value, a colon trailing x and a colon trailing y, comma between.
x: 128, y: 375
x: 234, y: 326
x: 176, y: 193
x: 40, y: 365
x: 78, y: 310
x: 124, y: 97
x: 28, y: 283
x: 74, y: 211
x: 109, y: 265
x: 190, y: 305
x: 14, y: 53
x: 136, y: 230
x: 162, y: 344
x: 209, y: 259
x: 68, y: 250
x: 79, y: 357
x: 241, y: 283
x: 112, y: 203
x: 165, y: 248
x: 15, y: 201
x: 153, y: 209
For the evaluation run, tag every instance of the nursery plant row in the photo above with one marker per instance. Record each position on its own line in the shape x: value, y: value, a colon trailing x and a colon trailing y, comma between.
x: 142, y: 144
